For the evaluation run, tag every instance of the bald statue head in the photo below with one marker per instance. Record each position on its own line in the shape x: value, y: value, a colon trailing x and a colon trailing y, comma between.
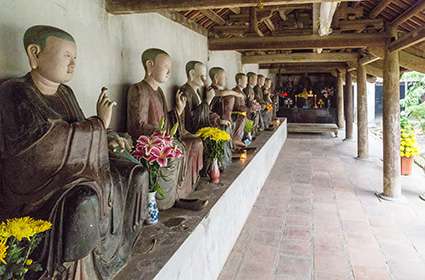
x: 261, y: 80
x: 51, y: 52
x: 252, y: 79
x: 157, y: 64
x: 218, y: 76
x: 241, y: 80
x: 196, y: 72
x: 268, y: 83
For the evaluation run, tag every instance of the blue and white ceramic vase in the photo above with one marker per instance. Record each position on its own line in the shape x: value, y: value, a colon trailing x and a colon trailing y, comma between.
x: 153, y: 212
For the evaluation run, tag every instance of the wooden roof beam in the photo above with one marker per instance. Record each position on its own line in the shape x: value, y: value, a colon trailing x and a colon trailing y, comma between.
x: 213, y: 16
x: 408, y: 40
x: 379, y: 8
x: 334, y: 41
x: 407, y: 60
x: 368, y: 59
x: 146, y: 6
x: 412, y: 11
x: 299, y: 58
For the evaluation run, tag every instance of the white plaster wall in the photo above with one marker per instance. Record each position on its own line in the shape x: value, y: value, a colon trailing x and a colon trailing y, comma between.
x: 230, y: 61
x: 109, y: 47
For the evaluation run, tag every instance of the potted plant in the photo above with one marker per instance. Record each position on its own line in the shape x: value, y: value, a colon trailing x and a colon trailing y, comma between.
x: 214, y: 140
x: 154, y: 152
x: 19, y: 237
x: 249, y: 127
x: 408, y: 147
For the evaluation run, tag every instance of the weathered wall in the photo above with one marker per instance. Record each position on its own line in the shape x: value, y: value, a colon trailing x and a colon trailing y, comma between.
x: 109, y: 47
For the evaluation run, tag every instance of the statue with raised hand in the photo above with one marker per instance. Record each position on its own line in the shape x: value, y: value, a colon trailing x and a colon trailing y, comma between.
x: 146, y: 107
x: 55, y: 166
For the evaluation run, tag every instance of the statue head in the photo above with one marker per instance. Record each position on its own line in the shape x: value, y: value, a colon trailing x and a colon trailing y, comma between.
x: 51, y: 52
x: 241, y: 80
x: 252, y: 79
x: 157, y: 64
x: 261, y: 80
x: 218, y: 76
x: 196, y: 72
x: 268, y: 83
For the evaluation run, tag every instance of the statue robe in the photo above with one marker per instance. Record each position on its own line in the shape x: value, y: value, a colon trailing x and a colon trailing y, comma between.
x: 145, y: 109
x: 253, y: 115
x: 49, y: 152
x: 223, y: 107
x: 240, y: 107
x: 265, y: 118
x: 196, y: 112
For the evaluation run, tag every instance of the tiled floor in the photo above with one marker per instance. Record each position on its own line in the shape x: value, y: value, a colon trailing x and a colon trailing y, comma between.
x: 317, y: 218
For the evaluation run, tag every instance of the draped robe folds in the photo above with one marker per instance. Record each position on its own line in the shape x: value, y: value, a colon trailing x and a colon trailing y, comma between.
x: 196, y: 112
x: 48, y: 151
x: 223, y: 107
x: 253, y: 115
x: 240, y: 106
x: 265, y: 115
x: 145, y: 109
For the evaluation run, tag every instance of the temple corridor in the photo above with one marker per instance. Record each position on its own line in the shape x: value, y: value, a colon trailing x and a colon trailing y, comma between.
x: 317, y: 218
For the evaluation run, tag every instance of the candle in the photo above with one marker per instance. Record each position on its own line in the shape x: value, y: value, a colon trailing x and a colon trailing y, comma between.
x: 243, y: 155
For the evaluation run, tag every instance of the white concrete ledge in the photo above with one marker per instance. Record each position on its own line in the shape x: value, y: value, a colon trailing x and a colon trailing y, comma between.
x: 204, y: 252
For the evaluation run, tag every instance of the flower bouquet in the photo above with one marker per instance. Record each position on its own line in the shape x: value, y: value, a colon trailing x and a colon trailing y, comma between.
x: 214, y: 140
x: 19, y: 237
x: 408, y: 149
x: 269, y: 107
x: 154, y: 153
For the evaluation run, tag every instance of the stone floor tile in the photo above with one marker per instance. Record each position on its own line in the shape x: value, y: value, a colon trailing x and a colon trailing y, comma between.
x: 317, y: 217
x: 299, y: 267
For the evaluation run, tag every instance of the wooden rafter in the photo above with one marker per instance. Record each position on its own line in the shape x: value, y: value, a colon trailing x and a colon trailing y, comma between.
x: 253, y: 23
x: 407, y: 60
x: 179, y: 18
x: 335, y: 41
x: 299, y: 58
x: 235, y: 10
x: 360, y: 24
x: 368, y: 59
x: 146, y: 6
x: 379, y: 8
x: 213, y: 16
x: 408, y: 40
x: 410, y: 12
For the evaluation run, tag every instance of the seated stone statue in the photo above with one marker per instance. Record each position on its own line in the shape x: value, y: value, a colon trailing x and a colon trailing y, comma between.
x: 55, y: 165
x: 250, y: 94
x: 241, y: 105
x: 197, y: 113
x: 146, y: 107
x: 265, y: 118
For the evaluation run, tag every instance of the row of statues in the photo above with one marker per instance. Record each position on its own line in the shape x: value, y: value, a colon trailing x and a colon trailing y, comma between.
x: 57, y: 164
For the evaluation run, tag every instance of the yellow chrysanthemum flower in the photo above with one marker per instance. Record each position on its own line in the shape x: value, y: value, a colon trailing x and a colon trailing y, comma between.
x: 29, y: 262
x: 213, y: 133
x: 3, y: 251
x: 4, y: 233
x: 40, y: 226
x: 21, y: 228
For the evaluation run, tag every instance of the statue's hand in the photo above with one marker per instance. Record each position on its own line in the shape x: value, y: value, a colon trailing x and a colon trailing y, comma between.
x: 180, y: 102
x: 226, y: 123
x: 119, y: 144
x: 104, y: 107
x: 210, y: 96
x: 204, y: 80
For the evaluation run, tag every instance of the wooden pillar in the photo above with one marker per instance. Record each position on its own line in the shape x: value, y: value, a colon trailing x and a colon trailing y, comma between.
x: 391, y: 122
x: 348, y: 106
x: 340, y: 99
x: 362, y: 120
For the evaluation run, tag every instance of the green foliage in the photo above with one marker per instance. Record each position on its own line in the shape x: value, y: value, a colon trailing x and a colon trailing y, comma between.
x: 249, y: 126
x: 17, y: 260
x: 413, y: 107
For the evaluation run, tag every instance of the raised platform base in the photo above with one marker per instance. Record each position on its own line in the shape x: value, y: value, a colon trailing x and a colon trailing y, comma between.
x: 189, y: 245
x: 313, y: 128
